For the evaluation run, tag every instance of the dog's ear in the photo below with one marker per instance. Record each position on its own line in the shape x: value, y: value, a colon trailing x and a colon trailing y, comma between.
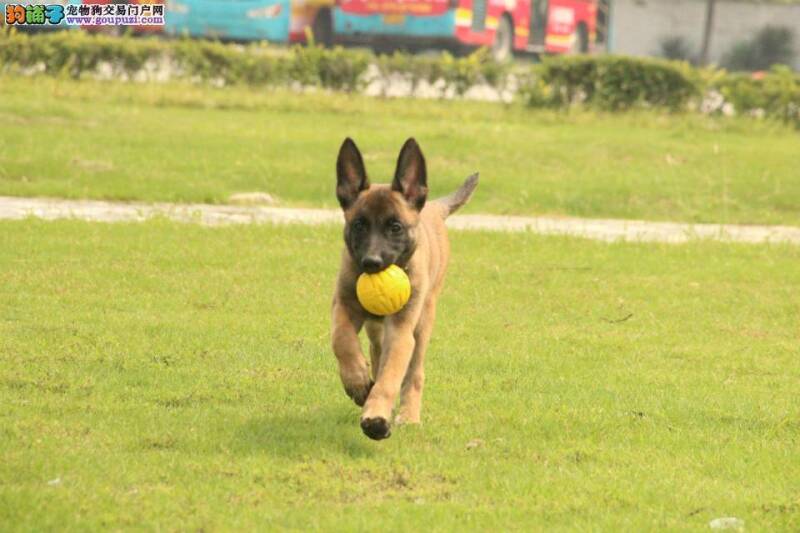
x: 410, y: 178
x: 351, y: 176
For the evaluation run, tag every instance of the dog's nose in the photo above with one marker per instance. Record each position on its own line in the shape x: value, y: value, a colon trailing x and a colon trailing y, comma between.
x: 372, y: 263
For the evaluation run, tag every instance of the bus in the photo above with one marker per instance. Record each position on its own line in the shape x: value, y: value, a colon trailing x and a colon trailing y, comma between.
x: 506, y: 26
x: 279, y: 21
x: 245, y: 20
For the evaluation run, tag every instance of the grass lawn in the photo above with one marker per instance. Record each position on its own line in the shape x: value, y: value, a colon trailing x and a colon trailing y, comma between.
x: 186, y: 143
x: 179, y: 378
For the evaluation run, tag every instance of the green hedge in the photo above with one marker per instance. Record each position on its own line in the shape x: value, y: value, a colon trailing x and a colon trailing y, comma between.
x: 75, y: 53
x: 458, y: 73
x: 774, y: 94
x: 610, y: 83
x: 614, y: 83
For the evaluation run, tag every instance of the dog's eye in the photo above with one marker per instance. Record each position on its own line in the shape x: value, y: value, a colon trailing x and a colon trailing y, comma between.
x: 395, y: 228
x: 359, y: 225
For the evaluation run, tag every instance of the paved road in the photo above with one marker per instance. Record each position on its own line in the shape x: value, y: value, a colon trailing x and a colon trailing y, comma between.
x: 215, y: 215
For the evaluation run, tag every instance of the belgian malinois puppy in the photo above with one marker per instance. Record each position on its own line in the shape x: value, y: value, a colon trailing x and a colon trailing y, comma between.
x: 384, y: 225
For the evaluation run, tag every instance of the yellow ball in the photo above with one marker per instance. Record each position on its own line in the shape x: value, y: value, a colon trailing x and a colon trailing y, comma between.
x: 385, y: 292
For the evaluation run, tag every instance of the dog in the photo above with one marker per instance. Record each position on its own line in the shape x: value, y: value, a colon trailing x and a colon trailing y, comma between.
x: 384, y: 225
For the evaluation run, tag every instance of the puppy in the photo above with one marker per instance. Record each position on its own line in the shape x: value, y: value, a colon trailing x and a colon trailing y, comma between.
x: 384, y: 225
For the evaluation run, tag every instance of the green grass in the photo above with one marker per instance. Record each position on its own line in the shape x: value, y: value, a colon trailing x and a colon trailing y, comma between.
x: 179, y: 378
x: 188, y: 143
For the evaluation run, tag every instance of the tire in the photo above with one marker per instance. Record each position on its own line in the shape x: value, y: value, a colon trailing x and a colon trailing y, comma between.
x: 503, y: 45
x: 322, y: 28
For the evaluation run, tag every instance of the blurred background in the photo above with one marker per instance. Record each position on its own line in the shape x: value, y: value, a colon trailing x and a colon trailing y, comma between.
x: 735, y: 34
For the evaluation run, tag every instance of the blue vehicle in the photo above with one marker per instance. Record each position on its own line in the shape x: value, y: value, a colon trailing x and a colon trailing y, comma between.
x: 234, y: 20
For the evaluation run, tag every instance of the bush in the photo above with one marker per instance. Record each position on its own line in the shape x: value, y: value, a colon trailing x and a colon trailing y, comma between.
x: 772, y: 45
x: 78, y: 53
x: 615, y: 82
x: 775, y: 94
x: 610, y: 83
x: 73, y: 53
x: 458, y: 73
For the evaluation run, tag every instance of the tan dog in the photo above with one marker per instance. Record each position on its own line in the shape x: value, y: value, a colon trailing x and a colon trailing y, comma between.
x: 384, y: 225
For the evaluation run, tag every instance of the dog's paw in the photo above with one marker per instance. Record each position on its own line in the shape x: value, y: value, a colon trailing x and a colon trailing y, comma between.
x: 359, y: 392
x: 376, y: 428
x: 357, y: 382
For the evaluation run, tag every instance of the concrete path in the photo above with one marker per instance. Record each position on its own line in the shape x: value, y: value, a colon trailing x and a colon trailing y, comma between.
x: 216, y: 215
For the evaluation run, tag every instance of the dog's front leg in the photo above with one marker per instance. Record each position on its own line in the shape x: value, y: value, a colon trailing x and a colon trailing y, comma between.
x: 398, y: 349
x: 352, y: 365
x: 414, y: 381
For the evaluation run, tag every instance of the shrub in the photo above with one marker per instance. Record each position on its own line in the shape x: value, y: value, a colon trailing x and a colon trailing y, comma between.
x: 458, y: 73
x: 617, y: 82
x: 336, y: 68
x: 604, y: 82
x: 78, y: 53
x: 775, y: 94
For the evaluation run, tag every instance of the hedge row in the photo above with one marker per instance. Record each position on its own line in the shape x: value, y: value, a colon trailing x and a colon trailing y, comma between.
x: 75, y: 54
x: 774, y: 94
x: 609, y: 83
x: 612, y: 83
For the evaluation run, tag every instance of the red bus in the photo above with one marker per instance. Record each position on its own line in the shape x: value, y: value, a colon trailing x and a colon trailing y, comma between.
x: 507, y: 26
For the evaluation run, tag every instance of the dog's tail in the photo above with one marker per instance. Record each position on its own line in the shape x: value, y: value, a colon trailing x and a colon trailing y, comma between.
x: 452, y: 202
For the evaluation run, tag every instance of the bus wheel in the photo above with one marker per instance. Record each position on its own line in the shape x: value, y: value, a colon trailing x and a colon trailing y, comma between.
x: 322, y: 28
x: 503, y: 40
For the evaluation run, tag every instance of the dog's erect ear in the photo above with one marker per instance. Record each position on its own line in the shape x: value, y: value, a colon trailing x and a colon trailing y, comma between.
x: 351, y: 176
x: 410, y: 178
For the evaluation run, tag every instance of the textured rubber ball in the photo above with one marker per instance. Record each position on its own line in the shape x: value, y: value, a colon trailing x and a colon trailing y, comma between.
x: 385, y: 292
